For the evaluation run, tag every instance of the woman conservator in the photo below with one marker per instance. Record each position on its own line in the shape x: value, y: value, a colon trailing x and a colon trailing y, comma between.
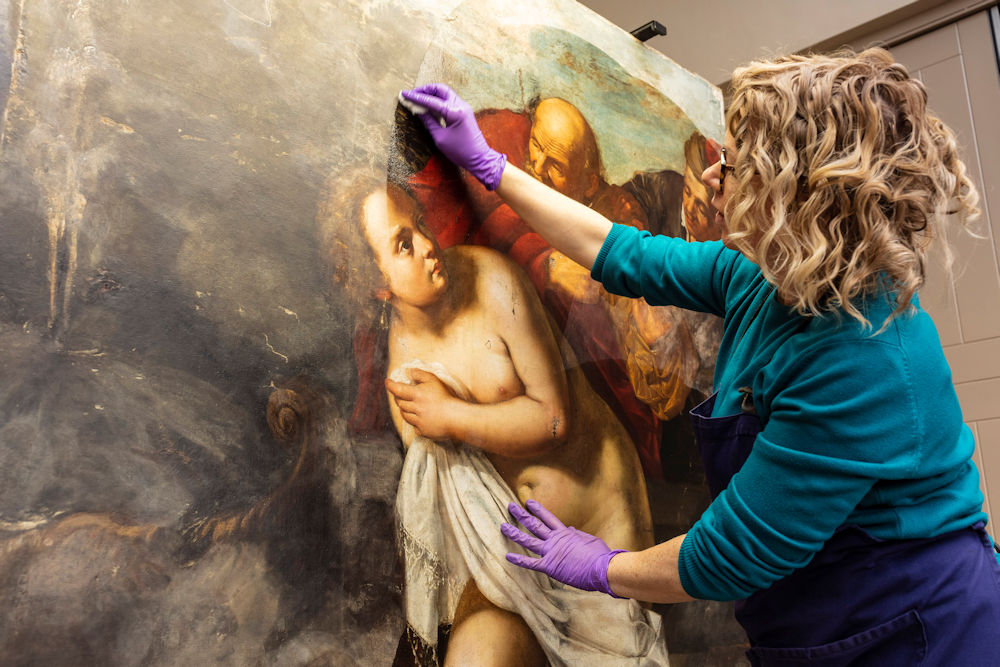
x: 847, y: 519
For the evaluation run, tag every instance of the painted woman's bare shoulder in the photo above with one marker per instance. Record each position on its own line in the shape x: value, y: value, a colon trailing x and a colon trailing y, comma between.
x: 487, y: 260
x: 480, y: 254
x: 498, y: 278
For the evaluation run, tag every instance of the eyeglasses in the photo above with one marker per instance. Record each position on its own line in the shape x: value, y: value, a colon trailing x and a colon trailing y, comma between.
x: 723, y: 167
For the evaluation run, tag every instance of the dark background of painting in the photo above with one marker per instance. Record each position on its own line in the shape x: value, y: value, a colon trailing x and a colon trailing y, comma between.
x: 167, y: 159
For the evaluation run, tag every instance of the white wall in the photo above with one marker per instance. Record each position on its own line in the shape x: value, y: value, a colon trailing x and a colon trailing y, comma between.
x: 711, y: 38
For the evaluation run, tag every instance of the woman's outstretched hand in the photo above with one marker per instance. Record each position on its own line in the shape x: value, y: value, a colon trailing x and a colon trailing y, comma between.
x: 567, y: 554
x: 452, y: 124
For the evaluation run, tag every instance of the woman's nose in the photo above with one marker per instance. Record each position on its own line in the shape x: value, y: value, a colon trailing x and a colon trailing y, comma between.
x: 710, y: 176
x: 426, y: 246
x: 713, y: 150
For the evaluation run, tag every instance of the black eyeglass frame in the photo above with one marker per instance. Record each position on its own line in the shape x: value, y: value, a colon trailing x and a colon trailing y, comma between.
x: 723, y: 167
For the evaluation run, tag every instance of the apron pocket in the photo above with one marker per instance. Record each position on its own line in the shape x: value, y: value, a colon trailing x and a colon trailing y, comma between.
x: 900, y: 641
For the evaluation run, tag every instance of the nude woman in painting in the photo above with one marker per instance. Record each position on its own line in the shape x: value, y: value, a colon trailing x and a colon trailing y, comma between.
x: 481, y: 400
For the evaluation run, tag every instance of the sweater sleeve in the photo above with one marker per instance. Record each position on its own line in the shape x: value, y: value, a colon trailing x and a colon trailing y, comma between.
x: 666, y: 271
x: 842, y: 417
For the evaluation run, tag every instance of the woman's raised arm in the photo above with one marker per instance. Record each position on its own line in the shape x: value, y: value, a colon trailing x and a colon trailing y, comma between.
x: 576, y: 230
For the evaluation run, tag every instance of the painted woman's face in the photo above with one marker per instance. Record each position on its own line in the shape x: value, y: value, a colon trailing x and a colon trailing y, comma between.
x: 405, y: 250
x: 695, y: 200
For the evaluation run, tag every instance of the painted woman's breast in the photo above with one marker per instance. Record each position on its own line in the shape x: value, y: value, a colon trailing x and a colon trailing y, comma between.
x: 477, y: 358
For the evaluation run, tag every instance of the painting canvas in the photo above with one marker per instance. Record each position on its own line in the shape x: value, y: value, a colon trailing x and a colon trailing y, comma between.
x: 200, y: 459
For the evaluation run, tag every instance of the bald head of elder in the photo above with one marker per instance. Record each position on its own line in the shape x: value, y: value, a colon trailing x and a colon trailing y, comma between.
x: 562, y: 150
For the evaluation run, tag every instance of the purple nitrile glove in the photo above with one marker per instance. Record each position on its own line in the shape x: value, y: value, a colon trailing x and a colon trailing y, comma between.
x: 459, y: 138
x: 567, y: 554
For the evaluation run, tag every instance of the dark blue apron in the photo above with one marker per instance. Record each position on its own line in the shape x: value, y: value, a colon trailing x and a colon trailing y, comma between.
x: 862, y: 600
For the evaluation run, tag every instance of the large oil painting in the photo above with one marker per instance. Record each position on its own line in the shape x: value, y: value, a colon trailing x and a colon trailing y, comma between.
x: 272, y: 367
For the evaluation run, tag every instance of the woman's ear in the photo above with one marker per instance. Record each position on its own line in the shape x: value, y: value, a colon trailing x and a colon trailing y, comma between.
x: 383, y: 294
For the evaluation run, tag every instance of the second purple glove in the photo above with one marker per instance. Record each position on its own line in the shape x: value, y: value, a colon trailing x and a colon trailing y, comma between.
x: 567, y: 554
x: 453, y: 126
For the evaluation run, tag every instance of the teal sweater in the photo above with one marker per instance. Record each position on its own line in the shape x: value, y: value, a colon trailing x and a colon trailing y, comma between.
x: 860, y: 427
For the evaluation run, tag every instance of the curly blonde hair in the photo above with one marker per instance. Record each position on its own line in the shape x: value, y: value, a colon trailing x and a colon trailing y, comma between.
x: 842, y: 179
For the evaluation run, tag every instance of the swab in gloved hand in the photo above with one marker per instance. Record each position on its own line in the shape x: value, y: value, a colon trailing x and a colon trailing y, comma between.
x: 452, y: 124
x: 414, y: 108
